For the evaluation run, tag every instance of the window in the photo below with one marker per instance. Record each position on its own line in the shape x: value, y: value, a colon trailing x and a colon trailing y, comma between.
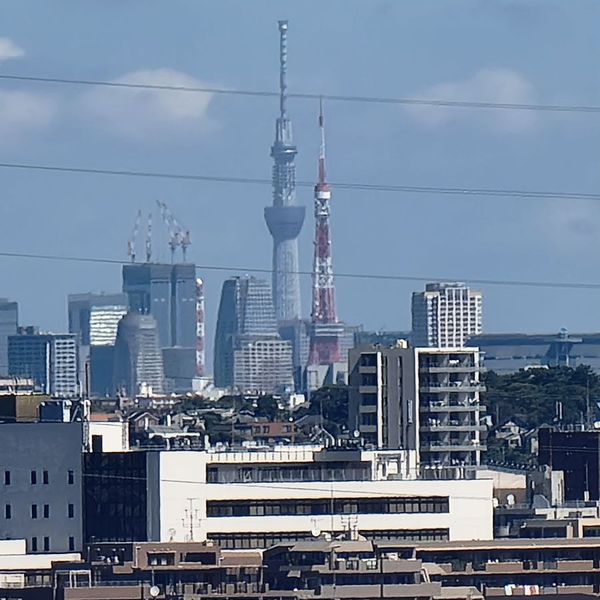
x: 7, y: 511
x: 71, y: 511
x: 46, y: 543
x: 46, y: 511
x: 70, y: 477
x: 33, y: 477
x: 162, y: 559
x: 71, y: 543
x: 6, y: 477
x: 34, y: 511
x: 34, y: 544
x: 45, y: 478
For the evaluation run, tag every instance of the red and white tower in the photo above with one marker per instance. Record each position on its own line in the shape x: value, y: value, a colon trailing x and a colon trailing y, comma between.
x: 326, y: 330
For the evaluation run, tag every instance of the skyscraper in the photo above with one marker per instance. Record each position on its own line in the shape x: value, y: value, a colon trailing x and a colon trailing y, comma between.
x: 170, y: 294
x: 138, y: 358
x: 95, y: 318
x: 249, y: 352
x: 9, y: 321
x: 49, y: 359
x: 445, y: 315
x: 284, y: 219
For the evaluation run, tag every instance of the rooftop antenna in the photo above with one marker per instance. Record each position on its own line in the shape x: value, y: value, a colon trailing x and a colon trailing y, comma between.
x: 149, y: 239
x: 132, y: 241
x: 283, y: 27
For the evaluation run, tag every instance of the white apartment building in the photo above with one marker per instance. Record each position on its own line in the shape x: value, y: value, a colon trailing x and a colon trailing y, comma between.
x: 264, y: 365
x: 423, y: 399
x: 256, y: 498
x: 445, y: 315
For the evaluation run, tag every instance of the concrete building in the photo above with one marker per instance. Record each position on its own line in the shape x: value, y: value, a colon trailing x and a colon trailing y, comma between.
x: 95, y: 318
x: 171, y: 294
x: 445, y: 315
x: 249, y: 353
x: 40, y: 483
x: 263, y: 366
x: 138, y: 358
x: 426, y: 399
x: 243, y: 499
x: 9, y: 322
x: 51, y: 360
x: 506, y: 353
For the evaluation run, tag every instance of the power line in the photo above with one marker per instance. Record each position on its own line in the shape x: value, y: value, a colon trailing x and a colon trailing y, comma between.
x: 435, y: 102
x: 373, y: 187
x: 339, y: 275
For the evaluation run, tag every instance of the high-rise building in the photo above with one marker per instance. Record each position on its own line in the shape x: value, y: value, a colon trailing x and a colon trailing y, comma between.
x: 138, y: 357
x: 446, y: 315
x: 284, y: 219
x: 170, y: 294
x: 248, y: 348
x: 426, y: 399
x: 47, y: 358
x: 95, y: 318
x: 9, y: 321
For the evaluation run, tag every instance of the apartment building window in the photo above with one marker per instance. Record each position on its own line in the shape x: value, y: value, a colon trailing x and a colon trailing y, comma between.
x: 368, y: 379
x: 7, y: 511
x: 46, y: 544
x: 33, y: 477
x: 71, y: 543
x: 45, y: 478
x: 6, y: 477
x: 368, y: 399
x: 71, y: 511
x: 70, y: 477
x: 34, y: 511
x: 368, y: 419
x: 46, y: 511
x: 34, y: 546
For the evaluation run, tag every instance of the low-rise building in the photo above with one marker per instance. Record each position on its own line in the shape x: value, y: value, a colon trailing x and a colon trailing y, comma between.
x: 256, y: 498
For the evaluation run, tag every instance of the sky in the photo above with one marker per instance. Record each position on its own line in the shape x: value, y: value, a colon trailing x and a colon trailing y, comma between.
x: 515, y: 51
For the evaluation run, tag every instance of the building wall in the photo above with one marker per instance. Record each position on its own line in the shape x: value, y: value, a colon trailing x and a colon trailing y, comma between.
x: 183, y: 494
x: 9, y: 320
x: 54, y: 449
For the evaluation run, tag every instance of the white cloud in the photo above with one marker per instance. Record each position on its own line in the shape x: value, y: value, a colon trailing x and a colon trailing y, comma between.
x: 499, y: 85
x: 148, y: 114
x: 22, y: 113
x: 8, y: 49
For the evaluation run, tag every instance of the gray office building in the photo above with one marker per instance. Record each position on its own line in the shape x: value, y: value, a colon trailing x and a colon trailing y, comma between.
x: 249, y: 352
x: 138, y: 357
x: 51, y: 360
x: 9, y: 321
x: 41, y: 485
x: 95, y: 318
x: 169, y: 294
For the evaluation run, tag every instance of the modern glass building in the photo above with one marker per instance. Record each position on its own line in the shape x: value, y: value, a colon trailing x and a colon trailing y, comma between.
x: 49, y: 359
x: 9, y: 321
x: 248, y: 348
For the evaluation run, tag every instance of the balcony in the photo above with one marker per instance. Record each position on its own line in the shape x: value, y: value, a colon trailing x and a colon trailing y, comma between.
x: 457, y: 387
x: 449, y: 369
x: 438, y: 446
x: 442, y: 406
x: 442, y: 427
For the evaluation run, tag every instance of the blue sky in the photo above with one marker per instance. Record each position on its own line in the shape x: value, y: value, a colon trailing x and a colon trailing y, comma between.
x: 509, y: 51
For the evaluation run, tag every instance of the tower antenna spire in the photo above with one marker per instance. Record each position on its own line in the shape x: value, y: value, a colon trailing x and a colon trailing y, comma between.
x: 283, y: 27
x: 322, y: 171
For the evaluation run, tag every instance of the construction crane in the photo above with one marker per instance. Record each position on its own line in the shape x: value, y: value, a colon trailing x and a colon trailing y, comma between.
x: 132, y: 241
x: 177, y: 235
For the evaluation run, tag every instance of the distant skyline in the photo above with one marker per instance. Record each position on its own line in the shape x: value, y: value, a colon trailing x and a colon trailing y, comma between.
x: 503, y: 51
